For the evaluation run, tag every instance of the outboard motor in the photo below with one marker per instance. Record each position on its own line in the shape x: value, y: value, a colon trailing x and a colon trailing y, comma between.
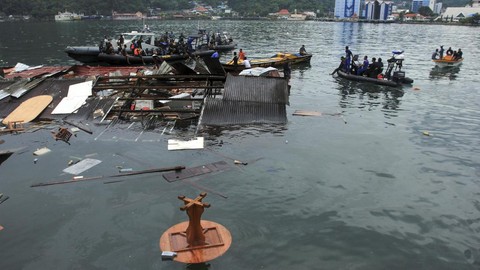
x: 399, y: 57
x: 398, y: 76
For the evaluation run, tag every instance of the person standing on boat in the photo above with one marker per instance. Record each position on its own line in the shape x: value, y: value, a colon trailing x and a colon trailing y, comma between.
x: 241, y: 55
x: 303, y: 51
x: 441, y: 52
x: 348, y: 58
x: 246, y: 63
x: 235, y: 59
x: 121, y: 40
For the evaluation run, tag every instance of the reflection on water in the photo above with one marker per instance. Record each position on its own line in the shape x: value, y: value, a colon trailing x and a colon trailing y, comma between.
x: 369, y: 96
x: 234, y: 131
x: 448, y: 72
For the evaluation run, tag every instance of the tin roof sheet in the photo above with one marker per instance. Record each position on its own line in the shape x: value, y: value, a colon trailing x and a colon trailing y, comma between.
x: 256, y: 89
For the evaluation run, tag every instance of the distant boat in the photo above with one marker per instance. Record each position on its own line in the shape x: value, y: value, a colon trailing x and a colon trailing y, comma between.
x: 67, y: 16
x: 276, y: 60
x: 215, y: 18
x: 447, y: 61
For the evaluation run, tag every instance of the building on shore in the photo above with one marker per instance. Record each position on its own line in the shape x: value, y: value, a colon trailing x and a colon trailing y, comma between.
x: 127, y: 16
x: 457, y: 13
x: 347, y: 9
x: 375, y: 10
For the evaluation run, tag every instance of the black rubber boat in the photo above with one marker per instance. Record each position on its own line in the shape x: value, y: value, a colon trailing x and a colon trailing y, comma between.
x: 398, y: 79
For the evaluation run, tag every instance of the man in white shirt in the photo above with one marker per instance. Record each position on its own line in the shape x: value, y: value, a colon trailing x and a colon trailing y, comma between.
x: 246, y: 63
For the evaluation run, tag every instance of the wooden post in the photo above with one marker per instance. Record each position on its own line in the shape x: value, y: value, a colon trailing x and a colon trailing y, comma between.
x: 194, y: 208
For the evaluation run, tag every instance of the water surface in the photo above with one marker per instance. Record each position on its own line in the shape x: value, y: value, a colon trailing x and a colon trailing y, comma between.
x: 359, y: 187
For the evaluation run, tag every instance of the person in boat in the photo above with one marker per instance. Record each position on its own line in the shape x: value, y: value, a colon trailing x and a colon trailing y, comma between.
x: 241, y: 55
x: 235, y: 59
x: 124, y: 53
x: 441, y: 52
x: 355, y: 64
x: 341, y: 66
x: 377, y: 68
x: 435, y: 55
x: 390, y: 65
x: 363, y: 67
x: 459, y: 55
x: 189, y: 44
x: 157, y: 60
x: 302, y: 50
x: 246, y: 63
x: 370, y: 68
x: 449, y: 51
x: 218, y: 39
x: 120, y: 42
x: 109, y: 48
x: 348, y: 58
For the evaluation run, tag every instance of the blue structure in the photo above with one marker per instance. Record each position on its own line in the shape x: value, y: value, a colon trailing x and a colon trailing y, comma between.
x: 416, y: 4
x: 345, y: 9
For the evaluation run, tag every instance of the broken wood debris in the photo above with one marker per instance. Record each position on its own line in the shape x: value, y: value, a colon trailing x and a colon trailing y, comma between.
x: 3, y: 198
x: 196, y: 171
x: 63, y: 134
x: 80, y: 179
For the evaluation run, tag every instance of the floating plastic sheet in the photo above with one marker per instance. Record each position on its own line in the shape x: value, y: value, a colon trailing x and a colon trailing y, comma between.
x: 197, y: 143
x: 82, y: 166
x: 77, y: 94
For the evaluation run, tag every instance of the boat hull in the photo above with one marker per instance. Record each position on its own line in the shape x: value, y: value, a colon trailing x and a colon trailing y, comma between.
x: 84, y: 54
x: 120, y: 60
x: 276, y: 61
x: 443, y: 63
x: 357, y: 78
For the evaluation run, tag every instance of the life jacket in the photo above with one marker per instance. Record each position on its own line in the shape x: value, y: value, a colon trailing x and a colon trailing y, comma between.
x: 132, y: 46
x: 137, y: 51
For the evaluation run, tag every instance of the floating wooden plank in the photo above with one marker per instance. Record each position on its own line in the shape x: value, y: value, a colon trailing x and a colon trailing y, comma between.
x: 82, y: 179
x: 196, y: 171
x: 29, y: 109
x: 307, y: 113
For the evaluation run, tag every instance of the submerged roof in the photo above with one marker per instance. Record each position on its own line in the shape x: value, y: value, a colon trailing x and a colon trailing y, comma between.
x: 248, y: 100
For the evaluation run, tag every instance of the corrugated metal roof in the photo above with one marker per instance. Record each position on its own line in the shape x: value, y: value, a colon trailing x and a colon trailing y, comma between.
x: 219, y: 112
x: 213, y: 65
x: 248, y: 100
x: 71, y: 71
x: 256, y: 89
x: 10, y: 72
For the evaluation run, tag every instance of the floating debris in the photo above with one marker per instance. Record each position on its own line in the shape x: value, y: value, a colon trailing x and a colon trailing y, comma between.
x: 196, y: 143
x: 41, y: 151
x: 82, y: 166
